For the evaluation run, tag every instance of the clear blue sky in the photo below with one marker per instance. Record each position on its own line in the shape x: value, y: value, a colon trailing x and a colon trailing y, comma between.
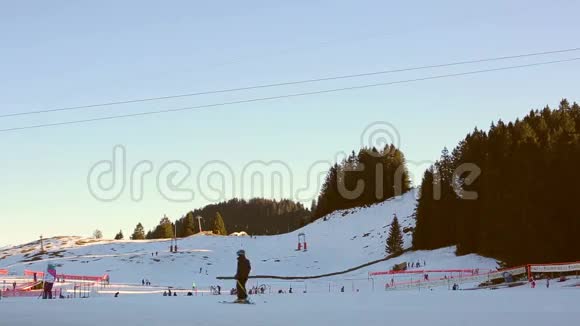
x: 67, y: 53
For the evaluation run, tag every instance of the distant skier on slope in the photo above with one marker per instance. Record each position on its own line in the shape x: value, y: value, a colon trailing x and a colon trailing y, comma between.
x: 241, y: 277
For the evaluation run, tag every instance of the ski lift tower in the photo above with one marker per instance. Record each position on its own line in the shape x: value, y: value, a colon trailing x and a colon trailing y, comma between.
x: 199, y: 222
x: 175, y: 236
x: 302, y: 245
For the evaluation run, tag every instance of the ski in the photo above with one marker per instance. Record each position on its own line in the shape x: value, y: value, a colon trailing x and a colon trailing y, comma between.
x: 237, y: 302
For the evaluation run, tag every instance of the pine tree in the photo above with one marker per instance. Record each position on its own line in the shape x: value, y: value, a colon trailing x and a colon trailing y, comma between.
x: 253, y: 216
x: 164, y: 230
x: 138, y: 233
x: 219, y: 227
x: 395, y: 239
x: 371, y: 176
x: 188, y: 225
x: 512, y: 212
x: 119, y: 236
x: 424, y: 210
x: 313, y: 206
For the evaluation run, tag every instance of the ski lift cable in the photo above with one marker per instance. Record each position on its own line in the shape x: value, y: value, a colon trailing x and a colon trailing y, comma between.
x: 289, y: 83
x: 293, y: 95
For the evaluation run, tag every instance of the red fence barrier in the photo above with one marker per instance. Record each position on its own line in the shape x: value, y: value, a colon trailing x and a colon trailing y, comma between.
x: 29, y: 294
x: 465, y: 276
x: 32, y: 273
x: 18, y: 294
x: 427, y: 271
x: 83, y: 277
x: 554, y: 267
x: 70, y: 277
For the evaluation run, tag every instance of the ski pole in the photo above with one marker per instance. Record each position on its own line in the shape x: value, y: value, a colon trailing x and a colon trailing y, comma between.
x: 43, y: 285
x: 242, y: 287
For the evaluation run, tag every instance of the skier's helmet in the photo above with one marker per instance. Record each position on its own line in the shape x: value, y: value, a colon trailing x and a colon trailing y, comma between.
x: 241, y: 252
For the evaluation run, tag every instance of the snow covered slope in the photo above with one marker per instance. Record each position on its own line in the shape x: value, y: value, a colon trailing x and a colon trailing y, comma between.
x: 342, y: 240
x: 444, y: 308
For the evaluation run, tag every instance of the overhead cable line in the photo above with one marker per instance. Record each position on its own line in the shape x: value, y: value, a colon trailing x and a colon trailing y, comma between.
x: 288, y: 83
x: 260, y: 99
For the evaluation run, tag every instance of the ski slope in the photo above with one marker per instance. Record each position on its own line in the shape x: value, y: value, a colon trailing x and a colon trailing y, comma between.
x: 342, y: 240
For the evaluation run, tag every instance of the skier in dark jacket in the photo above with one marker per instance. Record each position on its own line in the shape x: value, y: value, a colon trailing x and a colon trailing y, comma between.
x: 242, y: 275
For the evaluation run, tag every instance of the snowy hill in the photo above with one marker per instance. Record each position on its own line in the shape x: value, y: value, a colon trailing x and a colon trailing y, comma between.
x: 340, y: 241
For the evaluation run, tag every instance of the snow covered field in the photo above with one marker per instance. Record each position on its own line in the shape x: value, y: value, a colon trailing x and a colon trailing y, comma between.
x: 346, y: 239
x: 343, y: 240
x: 519, y: 306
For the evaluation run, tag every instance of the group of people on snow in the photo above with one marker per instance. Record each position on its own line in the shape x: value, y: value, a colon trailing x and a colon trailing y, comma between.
x: 256, y: 290
x: 215, y: 290
x: 416, y: 265
x: 241, y: 277
x: 5, y: 288
x: 168, y: 293
x: 533, y: 283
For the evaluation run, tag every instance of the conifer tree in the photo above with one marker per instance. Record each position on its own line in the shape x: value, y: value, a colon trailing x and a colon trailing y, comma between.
x: 253, y: 216
x: 219, y: 227
x: 395, y: 239
x: 119, y: 236
x: 138, y: 233
x: 313, y: 206
x: 164, y: 230
x: 371, y: 176
x: 526, y: 191
x: 188, y: 223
